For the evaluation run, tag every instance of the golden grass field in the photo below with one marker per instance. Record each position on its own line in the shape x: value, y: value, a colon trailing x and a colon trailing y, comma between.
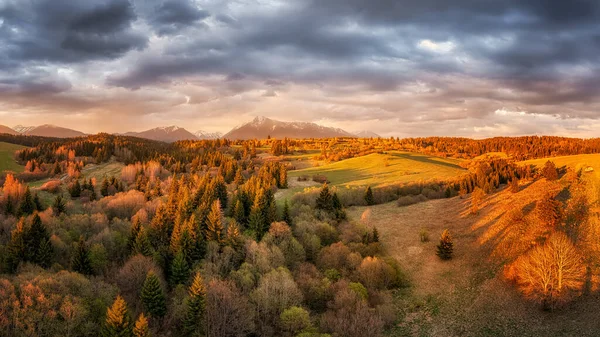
x: 7, y: 157
x: 467, y: 296
x: 383, y: 169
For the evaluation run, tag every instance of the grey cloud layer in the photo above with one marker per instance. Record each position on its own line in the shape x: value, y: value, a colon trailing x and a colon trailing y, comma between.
x: 425, y: 61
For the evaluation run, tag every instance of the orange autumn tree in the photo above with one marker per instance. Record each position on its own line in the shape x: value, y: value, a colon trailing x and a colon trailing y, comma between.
x: 550, y: 273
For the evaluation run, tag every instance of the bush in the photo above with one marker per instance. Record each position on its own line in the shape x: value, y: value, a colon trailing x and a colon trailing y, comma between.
x: 410, y: 200
x: 319, y: 178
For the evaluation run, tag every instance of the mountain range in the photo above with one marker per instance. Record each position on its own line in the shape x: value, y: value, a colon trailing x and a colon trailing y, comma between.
x: 263, y: 127
x: 258, y: 128
x: 46, y: 130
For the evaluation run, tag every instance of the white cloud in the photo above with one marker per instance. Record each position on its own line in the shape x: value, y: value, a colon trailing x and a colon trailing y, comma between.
x: 438, y: 47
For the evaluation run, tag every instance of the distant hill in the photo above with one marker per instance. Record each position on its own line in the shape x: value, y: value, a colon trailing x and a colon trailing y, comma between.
x: 367, y: 134
x: 167, y: 134
x: 22, y: 129
x: 207, y: 135
x: 48, y: 130
x: 6, y: 129
x: 262, y: 127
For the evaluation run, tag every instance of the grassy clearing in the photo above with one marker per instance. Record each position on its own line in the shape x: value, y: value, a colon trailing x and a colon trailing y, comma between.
x: 466, y: 296
x: 102, y: 171
x: 384, y: 169
x: 7, y: 157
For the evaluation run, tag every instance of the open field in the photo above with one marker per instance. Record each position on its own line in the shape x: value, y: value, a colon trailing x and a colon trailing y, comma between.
x: 383, y: 169
x: 466, y: 296
x: 7, y: 157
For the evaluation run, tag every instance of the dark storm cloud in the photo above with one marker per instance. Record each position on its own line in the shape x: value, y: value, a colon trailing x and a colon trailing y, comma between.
x: 68, y: 31
x: 172, y: 16
x: 425, y: 60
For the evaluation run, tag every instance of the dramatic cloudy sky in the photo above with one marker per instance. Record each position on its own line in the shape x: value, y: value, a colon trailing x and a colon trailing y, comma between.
x: 405, y: 68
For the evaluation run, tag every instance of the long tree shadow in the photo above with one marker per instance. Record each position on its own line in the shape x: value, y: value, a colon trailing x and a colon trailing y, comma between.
x: 425, y: 159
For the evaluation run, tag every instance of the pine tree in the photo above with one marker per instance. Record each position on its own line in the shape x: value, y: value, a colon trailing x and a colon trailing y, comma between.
x: 27, y: 205
x: 75, y: 189
x: 37, y: 243
x: 214, y: 223
x: 16, y: 246
x: 180, y: 270
x: 153, y: 297
x: 38, y: 203
x: 141, y: 327
x: 325, y: 201
x: 142, y: 243
x: 233, y: 234
x: 283, y: 178
x: 239, y: 214
x: 104, y: 188
x: 337, y: 207
x: 239, y: 178
x: 369, y: 196
x: 81, y: 262
x: 286, y: 216
x: 375, y: 235
x: 192, y: 324
x: 118, y: 321
x: 446, y: 247
x: 59, y: 205
x: 136, y: 226
x: 8, y: 208
x: 257, y: 221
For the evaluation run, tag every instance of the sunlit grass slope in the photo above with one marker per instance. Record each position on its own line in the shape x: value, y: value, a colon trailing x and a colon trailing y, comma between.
x: 384, y: 169
x: 7, y: 157
x: 575, y: 162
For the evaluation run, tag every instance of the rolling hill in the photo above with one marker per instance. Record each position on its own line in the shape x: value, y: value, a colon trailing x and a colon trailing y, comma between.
x: 207, y: 135
x: 6, y: 129
x: 48, y: 130
x: 7, y: 157
x: 383, y: 169
x: 262, y: 127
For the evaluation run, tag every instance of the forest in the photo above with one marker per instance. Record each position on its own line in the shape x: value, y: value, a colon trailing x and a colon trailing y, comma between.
x: 194, y: 239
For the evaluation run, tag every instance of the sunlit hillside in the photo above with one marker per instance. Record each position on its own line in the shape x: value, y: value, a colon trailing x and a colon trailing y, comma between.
x: 7, y: 157
x: 382, y: 169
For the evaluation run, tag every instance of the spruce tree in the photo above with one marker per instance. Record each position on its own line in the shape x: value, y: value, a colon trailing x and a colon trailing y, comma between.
x: 325, y: 201
x: 257, y: 221
x: 75, y: 189
x: 38, y: 203
x: 118, y: 321
x: 27, y: 205
x: 81, y: 261
x: 233, y: 234
x: 141, y: 327
x: 286, y: 216
x: 8, y: 207
x: 192, y: 324
x: 214, y: 223
x: 153, y: 297
x: 369, y: 196
x: 375, y: 235
x: 37, y: 243
x: 16, y: 246
x: 446, y: 247
x: 239, y: 214
x: 142, y: 243
x: 180, y: 270
x: 59, y: 205
x: 104, y: 188
x: 136, y: 225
